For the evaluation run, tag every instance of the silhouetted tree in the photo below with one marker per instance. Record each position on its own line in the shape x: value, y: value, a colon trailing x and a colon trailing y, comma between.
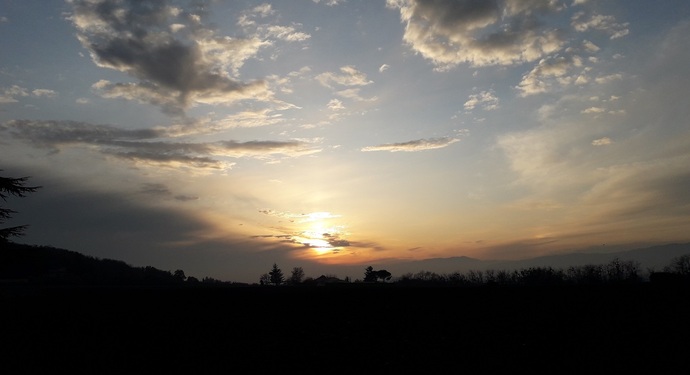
x: 622, y: 271
x: 16, y: 187
x: 540, y: 276
x: 297, y: 275
x: 265, y: 279
x: 276, y: 275
x: 456, y: 278
x: 679, y: 265
x: 383, y: 275
x: 179, y: 275
x: 475, y: 277
x: 586, y: 274
x: 369, y: 275
x: 210, y: 280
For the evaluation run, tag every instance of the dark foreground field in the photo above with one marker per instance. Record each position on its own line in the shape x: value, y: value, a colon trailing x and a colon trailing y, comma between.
x: 378, y: 329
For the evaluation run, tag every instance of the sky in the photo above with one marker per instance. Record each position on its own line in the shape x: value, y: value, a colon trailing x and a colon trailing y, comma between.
x: 221, y: 137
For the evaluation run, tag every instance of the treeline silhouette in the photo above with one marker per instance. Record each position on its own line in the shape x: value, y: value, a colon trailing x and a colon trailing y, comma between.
x: 617, y: 271
x: 29, y: 264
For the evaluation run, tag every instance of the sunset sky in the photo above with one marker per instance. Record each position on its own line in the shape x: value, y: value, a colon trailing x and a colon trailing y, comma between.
x: 220, y: 137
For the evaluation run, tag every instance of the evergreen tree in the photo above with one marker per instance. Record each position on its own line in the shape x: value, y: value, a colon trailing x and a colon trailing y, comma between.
x: 276, y: 275
x: 370, y: 275
x: 297, y: 275
x: 12, y: 186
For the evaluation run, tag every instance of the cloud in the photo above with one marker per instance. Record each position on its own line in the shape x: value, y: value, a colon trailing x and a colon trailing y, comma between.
x: 625, y: 190
x: 155, y: 235
x: 322, y: 234
x: 172, y: 70
x: 384, y: 67
x: 50, y: 133
x: 262, y: 149
x: 143, y: 146
x: 287, y: 33
x: 589, y: 46
x: 485, y: 99
x: 10, y: 94
x: 601, y: 141
x: 161, y: 190
x: 44, y: 92
x: 552, y: 72
x: 186, y: 198
x: 330, y: 3
x: 608, y: 24
x: 267, y: 31
x: 353, y: 93
x: 155, y: 189
x: 479, y: 33
x: 264, y: 10
x: 302, y: 217
x: 609, y: 78
x: 243, y: 119
x: 413, y: 146
x: 594, y: 110
x: 349, y: 76
x: 335, y: 105
x: 646, y: 190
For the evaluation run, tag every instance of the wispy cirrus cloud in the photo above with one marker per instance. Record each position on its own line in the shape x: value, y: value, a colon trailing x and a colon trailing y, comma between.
x: 414, y: 146
x: 610, y: 186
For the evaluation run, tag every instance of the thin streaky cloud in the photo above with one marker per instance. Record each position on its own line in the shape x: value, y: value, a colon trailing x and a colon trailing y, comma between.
x: 414, y: 146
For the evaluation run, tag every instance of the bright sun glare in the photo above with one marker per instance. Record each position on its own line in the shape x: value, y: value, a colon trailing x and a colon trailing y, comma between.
x: 319, y: 236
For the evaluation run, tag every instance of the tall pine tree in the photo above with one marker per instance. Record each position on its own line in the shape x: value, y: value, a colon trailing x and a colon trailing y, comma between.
x: 16, y: 187
x: 276, y: 275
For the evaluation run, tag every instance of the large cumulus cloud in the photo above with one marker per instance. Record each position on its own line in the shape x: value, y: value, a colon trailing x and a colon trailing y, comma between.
x: 480, y: 33
x: 176, y: 61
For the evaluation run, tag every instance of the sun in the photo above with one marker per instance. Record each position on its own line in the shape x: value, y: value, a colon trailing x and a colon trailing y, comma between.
x: 321, y: 237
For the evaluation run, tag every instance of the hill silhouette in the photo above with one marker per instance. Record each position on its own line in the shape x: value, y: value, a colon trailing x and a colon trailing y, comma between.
x: 66, y: 311
x: 47, y: 265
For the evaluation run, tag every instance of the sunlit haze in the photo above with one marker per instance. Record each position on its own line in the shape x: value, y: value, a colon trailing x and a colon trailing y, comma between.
x: 221, y: 137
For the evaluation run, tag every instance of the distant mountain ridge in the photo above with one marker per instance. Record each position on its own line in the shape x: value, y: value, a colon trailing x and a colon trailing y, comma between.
x: 653, y: 258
